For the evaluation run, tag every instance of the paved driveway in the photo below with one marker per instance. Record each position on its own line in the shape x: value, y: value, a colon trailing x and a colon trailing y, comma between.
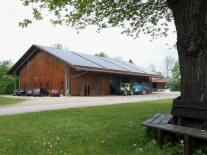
x: 35, y: 104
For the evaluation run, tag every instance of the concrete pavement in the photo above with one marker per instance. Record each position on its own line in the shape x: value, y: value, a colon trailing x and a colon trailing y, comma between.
x: 84, y: 101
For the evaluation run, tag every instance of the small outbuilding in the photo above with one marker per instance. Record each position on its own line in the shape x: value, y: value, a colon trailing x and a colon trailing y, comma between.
x: 158, y: 83
x: 75, y: 73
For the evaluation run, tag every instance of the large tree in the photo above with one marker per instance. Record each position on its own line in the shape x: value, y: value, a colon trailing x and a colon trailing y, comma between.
x: 7, y: 81
x: 150, y: 17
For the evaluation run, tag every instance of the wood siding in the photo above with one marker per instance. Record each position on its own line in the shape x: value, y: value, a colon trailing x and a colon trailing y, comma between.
x: 75, y: 82
x: 159, y: 86
x: 90, y: 80
x: 104, y: 85
x: 147, y: 81
x: 43, y: 69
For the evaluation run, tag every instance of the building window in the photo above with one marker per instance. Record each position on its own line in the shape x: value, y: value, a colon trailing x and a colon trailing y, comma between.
x: 35, y: 86
x: 25, y: 86
x: 40, y: 85
x: 61, y: 86
x: 48, y: 86
x: 154, y: 85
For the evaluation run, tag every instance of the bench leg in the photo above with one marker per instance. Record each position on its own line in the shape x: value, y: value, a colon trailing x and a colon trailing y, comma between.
x: 187, y: 145
x: 160, y: 138
x: 205, y: 124
x: 179, y: 121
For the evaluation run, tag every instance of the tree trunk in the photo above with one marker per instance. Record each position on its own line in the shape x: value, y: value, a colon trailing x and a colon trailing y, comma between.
x: 190, y: 17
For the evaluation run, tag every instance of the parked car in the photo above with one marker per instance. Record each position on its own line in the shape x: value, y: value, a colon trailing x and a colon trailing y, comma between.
x: 55, y: 92
x: 21, y: 93
x: 40, y: 92
x: 14, y: 93
x: 29, y: 93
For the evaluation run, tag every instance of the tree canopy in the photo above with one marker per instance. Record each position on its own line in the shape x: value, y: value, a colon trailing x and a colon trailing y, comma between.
x: 101, y: 54
x: 134, y: 16
x: 146, y: 16
x: 6, y: 81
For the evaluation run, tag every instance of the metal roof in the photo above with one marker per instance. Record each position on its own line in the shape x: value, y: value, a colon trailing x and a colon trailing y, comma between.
x: 139, y: 68
x: 101, y: 62
x: 80, y: 61
x: 71, y: 57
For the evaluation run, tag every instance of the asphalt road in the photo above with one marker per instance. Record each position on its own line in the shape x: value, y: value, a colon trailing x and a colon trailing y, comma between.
x: 36, y: 104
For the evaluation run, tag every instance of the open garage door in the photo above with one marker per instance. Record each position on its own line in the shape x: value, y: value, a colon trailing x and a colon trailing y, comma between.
x: 115, y: 81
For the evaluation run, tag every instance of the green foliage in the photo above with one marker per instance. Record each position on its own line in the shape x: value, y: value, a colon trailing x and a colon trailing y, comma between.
x: 199, y: 146
x: 134, y: 16
x: 131, y: 61
x: 101, y: 54
x: 175, y: 80
x: 58, y: 46
x: 160, y: 73
x: 7, y: 81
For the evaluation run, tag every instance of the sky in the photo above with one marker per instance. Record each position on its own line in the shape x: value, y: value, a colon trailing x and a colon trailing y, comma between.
x: 15, y: 41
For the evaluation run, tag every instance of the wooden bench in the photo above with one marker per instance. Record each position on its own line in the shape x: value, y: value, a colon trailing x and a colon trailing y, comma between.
x: 180, y: 108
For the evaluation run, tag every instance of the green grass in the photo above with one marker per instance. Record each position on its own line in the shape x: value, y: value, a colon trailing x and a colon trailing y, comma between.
x: 7, y: 101
x: 110, y: 129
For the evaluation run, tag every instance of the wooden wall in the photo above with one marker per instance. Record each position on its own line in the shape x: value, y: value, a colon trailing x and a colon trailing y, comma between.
x: 104, y: 85
x: 75, y: 82
x: 147, y: 81
x: 43, y: 69
x: 159, y: 86
x: 90, y: 80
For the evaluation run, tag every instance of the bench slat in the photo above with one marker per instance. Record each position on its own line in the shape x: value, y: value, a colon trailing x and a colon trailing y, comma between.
x: 189, y: 113
x: 160, y: 118
x: 152, y: 118
x: 197, y: 133
x: 190, y: 104
x: 167, y: 118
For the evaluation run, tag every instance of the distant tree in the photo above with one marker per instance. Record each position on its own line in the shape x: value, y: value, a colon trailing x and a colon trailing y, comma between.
x: 6, y: 81
x: 118, y: 58
x: 131, y: 61
x: 160, y: 73
x: 152, y: 67
x: 59, y: 46
x: 168, y: 65
x: 101, y: 54
x: 175, y: 80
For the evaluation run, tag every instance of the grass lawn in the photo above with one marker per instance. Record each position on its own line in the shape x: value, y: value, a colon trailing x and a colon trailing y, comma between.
x: 110, y: 129
x: 7, y: 101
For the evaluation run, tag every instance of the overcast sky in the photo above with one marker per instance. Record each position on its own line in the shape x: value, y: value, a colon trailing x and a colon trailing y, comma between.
x: 15, y: 41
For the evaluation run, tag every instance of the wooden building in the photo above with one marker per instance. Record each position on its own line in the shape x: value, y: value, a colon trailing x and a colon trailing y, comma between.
x: 75, y: 73
x: 158, y: 83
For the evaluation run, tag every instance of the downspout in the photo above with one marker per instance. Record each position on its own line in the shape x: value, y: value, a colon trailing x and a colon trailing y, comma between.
x: 72, y: 77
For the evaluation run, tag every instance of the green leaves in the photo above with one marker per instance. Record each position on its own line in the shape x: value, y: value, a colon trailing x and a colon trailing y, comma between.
x: 134, y: 16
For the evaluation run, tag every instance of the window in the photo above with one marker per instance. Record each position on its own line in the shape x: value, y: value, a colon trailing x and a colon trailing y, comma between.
x: 25, y: 86
x: 35, y: 86
x: 61, y: 86
x: 40, y: 85
x: 48, y: 86
x: 154, y: 85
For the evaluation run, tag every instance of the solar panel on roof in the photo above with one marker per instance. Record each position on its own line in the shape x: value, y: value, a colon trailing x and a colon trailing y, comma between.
x: 101, y: 62
x: 131, y: 69
x: 71, y: 57
x: 140, y: 68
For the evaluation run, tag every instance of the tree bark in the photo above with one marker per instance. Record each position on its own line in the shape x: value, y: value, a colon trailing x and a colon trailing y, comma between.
x: 190, y: 17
